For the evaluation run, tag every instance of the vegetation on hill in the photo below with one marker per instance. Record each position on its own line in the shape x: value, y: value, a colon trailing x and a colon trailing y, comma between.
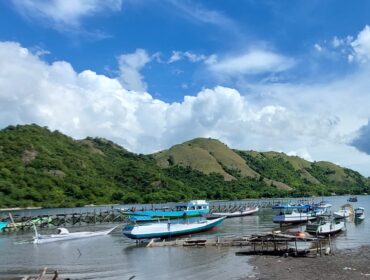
x: 39, y: 167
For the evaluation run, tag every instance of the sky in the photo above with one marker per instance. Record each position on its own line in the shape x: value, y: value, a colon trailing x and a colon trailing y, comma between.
x: 288, y: 76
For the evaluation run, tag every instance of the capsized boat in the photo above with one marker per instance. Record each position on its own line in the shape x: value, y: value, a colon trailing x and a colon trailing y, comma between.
x: 63, y: 234
x: 290, y: 214
x: 360, y: 213
x: 244, y: 212
x: 168, y: 230
x: 192, y: 208
x: 325, y: 226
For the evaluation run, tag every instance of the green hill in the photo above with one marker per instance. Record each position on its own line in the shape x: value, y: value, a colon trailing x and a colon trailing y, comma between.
x: 39, y: 167
x: 207, y: 156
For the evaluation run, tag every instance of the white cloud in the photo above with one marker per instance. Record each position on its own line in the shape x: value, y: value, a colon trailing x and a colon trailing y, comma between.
x: 196, y: 12
x: 176, y: 56
x: 252, y: 62
x: 318, y: 47
x: 192, y: 57
x: 130, y: 66
x: 303, y: 153
x: 64, y: 13
x: 361, y: 45
x: 314, y: 121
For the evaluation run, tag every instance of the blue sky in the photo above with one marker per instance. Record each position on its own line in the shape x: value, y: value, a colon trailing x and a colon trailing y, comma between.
x: 289, y: 76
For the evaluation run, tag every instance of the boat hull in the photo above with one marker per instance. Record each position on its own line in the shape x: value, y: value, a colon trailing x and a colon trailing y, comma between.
x: 167, y: 230
x: 236, y: 214
x: 326, y: 228
x: 40, y: 239
x: 169, y: 214
x: 296, y: 219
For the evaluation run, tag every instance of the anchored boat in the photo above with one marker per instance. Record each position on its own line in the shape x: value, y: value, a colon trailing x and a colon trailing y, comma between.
x: 63, y: 234
x: 360, y: 213
x: 290, y: 214
x: 325, y: 227
x: 245, y: 212
x: 192, y: 208
x: 3, y: 225
x: 167, y: 230
x: 345, y: 212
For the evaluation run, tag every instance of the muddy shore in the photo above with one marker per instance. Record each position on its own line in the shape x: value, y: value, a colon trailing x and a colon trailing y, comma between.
x: 344, y: 264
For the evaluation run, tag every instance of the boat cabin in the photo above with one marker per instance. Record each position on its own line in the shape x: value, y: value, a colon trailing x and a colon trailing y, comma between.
x: 192, y: 205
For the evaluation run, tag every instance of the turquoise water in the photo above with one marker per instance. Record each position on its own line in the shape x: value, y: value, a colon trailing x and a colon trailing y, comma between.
x: 117, y: 257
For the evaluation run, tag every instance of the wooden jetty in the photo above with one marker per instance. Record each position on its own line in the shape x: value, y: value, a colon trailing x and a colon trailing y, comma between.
x: 17, y: 222
x: 260, y: 244
x: 25, y: 220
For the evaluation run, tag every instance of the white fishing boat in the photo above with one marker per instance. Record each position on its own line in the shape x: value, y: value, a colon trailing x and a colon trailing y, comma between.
x: 63, y: 234
x: 325, y: 227
x: 360, y: 213
x: 168, y: 230
x: 291, y: 214
x: 343, y: 213
x: 245, y: 212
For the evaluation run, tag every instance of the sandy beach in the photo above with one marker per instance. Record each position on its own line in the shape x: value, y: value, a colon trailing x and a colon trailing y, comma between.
x: 343, y: 264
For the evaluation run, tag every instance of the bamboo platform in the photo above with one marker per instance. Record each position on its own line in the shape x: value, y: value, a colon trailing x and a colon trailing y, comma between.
x: 261, y: 244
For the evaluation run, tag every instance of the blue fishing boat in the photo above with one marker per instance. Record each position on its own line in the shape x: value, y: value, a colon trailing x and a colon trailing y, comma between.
x: 3, y: 225
x: 192, y: 208
x: 290, y: 214
x: 168, y: 230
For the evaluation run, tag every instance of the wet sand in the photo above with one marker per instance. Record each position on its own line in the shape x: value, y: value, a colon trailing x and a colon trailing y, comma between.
x: 344, y: 264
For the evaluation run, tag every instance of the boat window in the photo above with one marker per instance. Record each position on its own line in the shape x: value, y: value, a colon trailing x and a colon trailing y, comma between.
x: 192, y: 208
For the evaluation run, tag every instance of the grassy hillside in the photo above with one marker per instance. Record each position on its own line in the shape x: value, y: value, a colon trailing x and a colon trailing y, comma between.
x: 207, y: 156
x: 306, y: 177
x: 39, y: 167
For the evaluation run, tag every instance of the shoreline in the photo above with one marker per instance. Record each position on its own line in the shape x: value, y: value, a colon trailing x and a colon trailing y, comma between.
x: 342, y: 264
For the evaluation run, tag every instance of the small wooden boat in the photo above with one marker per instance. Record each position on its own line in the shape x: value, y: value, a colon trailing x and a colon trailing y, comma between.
x: 292, y: 214
x: 168, y: 230
x: 63, y: 234
x: 325, y: 227
x: 245, y: 212
x: 360, y: 213
x: 343, y: 213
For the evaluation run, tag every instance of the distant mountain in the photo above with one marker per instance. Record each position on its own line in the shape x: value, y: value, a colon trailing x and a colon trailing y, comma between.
x: 39, y: 167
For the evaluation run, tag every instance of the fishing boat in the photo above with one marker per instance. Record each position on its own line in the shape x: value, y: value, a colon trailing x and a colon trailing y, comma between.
x: 352, y: 199
x: 345, y: 212
x: 3, y: 225
x: 321, y: 208
x: 192, y: 208
x: 168, y: 230
x: 360, y: 213
x: 290, y: 214
x: 63, y: 235
x: 244, y: 212
x: 325, y: 227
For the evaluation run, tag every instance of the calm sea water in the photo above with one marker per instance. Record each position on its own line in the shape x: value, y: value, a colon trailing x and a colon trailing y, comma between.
x: 117, y: 257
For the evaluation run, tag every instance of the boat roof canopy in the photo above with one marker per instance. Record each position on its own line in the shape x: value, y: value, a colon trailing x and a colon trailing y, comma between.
x: 193, y: 202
